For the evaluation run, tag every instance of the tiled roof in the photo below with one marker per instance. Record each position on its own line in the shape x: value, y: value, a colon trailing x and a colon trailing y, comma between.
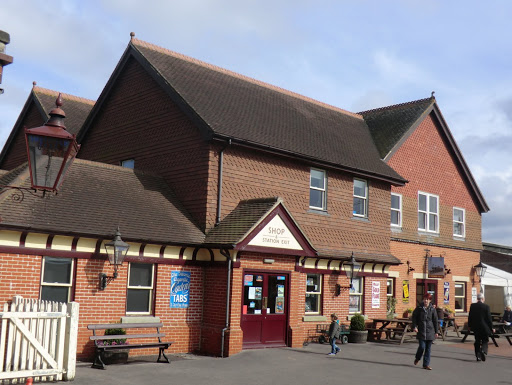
x: 95, y: 198
x: 246, y: 110
x: 239, y: 222
x: 497, y: 260
x: 389, y: 124
x: 362, y: 257
x: 76, y: 108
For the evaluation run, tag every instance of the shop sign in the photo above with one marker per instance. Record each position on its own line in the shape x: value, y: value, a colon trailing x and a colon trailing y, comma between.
x: 276, y: 235
x: 180, y: 289
x: 375, y: 294
x: 446, y: 298
x: 436, y: 267
x: 405, y: 291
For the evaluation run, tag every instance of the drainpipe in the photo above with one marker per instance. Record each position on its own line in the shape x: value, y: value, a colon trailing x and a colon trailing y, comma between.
x: 225, y: 253
x: 219, y: 184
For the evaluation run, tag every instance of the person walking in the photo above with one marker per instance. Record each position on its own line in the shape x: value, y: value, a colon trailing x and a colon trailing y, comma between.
x: 480, y: 322
x: 425, y: 324
x: 334, y: 332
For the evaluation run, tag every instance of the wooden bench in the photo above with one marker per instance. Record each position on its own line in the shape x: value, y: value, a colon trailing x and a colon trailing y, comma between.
x: 376, y: 333
x: 98, y: 340
x: 493, y: 337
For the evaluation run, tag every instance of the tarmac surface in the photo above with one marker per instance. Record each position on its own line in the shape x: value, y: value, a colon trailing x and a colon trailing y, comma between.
x: 385, y: 363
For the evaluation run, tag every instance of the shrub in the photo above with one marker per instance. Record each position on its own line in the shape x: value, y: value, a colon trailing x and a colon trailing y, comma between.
x: 357, y: 322
x: 115, y: 332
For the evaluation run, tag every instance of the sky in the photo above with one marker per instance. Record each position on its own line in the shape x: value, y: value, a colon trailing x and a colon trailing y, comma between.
x: 356, y: 55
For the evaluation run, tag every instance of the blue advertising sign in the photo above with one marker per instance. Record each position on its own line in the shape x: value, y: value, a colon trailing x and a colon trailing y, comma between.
x: 180, y: 289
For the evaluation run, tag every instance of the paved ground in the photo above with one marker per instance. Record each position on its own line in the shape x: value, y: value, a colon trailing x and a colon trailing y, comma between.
x: 370, y: 363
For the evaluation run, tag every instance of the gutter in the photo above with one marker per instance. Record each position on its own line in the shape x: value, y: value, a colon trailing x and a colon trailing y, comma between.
x: 225, y: 253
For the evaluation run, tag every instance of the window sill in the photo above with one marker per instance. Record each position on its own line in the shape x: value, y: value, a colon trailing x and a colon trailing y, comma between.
x: 457, y: 238
x: 314, y: 318
x: 362, y: 219
x: 318, y: 211
x: 139, y: 319
x: 428, y: 233
x: 396, y: 229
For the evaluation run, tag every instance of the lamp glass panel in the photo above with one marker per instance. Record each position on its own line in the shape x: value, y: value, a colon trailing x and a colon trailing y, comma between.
x: 46, y: 157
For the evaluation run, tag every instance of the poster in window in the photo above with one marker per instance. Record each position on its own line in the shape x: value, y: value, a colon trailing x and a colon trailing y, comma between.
x: 259, y: 278
x: 279, y: 305
x: 180, y: 289
x: 405, y: 291
x: 436, y: 267
x: 446, y: 298
x: 280, y: 290
x: 248, y: 280
x: 257, y: 293
x: 375, y: 294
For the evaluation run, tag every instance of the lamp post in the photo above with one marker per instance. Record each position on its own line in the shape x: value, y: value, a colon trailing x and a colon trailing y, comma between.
x: 352, y: 270
x: 116, y: 251
x: 480, y: 270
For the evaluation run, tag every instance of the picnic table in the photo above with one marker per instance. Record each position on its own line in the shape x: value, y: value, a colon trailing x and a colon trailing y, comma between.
x: 391, y: 328
x: 499, y: 327
x: 448, y: 323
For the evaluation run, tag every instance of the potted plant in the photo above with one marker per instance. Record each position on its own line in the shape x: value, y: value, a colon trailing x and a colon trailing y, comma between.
x: 391, y: 306
x: 119, y: 356
x: 358, y: 332
x: 408, y: 312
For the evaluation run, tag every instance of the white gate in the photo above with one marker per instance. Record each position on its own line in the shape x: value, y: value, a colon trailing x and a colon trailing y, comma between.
x: 38, y: 339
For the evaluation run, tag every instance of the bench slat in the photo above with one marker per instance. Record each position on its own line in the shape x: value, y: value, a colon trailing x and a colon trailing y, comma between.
x: 127, y: 336
x: 136, y: 346
x: 124, y: 326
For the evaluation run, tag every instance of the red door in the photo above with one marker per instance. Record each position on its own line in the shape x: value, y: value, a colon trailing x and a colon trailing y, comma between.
x: 426, y: 286
x: 264, y: 309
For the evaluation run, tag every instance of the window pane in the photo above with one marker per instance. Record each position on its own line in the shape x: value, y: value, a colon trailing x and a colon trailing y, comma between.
x: 422, y: 221
x: 316, y: 198
x: 432, y: 222
x: 459, y: 290
x: 57, y: 270
x: 358, y: 206
x: 312, y: 302
x: 458, y: 215
x: 140, y: 274
x: 457, y: 229
x: 317, y: 179
x: 55, y: 293
x: 359, y: 188
x: 354, y: 305
x: 395, y: 202
x: 432, y: 204
x: 356, y: 285
x: 138, y: 301
x: 395, y: 217
x: 129, y: 163
x: 422, y: 202
x: 389, y: 285
x: 459, y: 305
x: 313, y: 283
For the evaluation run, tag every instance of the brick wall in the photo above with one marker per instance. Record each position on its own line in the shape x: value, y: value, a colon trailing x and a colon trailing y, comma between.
x: 139, y: 121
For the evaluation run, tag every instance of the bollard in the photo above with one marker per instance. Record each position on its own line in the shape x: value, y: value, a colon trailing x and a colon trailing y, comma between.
x: 29, y: 381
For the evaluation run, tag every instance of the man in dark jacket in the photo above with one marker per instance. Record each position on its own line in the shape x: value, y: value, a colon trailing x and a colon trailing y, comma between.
x: 424, y: 323
x: 480, y: 322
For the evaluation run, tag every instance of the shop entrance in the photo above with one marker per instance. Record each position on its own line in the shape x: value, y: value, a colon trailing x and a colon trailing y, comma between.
x: 264, y: 309
x: 426, y: 286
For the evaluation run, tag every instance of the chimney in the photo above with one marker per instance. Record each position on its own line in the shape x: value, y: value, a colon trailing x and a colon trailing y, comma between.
x: 4, y: 58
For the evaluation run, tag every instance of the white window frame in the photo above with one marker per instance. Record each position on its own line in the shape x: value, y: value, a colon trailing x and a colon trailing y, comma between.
x: 428, y: 213
x: 140, y: 287
x: 360, y: 294
x: 364, y: 198
x: 462, y: 223
x: 390, y: 283
x: 398, y: 210
x: 322, y: 190
x: 462, y: 298
x: 318, y: 292
x: 57, y: 284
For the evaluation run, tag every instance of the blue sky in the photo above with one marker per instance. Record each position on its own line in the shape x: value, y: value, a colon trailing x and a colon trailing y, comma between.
x: 356, y: 55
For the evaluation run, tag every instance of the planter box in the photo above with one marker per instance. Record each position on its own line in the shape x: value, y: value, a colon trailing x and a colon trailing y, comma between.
x: 117, y: 357
x: 358, y: 337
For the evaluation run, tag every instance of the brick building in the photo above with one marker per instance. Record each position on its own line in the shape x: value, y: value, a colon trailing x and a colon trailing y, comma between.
x: 253, y: 196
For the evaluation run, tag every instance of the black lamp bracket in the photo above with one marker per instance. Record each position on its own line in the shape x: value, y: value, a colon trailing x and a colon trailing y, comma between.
x: 19, y: 195
x: 105, y: 279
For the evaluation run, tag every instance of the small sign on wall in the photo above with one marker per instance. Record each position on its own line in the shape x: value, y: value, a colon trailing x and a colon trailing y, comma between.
x: 446, y: 298
x: 180, y: 289
x: 375, y: 294
x: 405, y: 291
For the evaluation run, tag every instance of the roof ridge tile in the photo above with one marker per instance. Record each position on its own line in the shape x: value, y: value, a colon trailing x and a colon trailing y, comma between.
x: 396, y: 105
x: 64, y: 95
x: 213, y: 67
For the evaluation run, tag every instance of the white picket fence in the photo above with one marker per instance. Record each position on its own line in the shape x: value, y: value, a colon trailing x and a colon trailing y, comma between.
x: 38, y: 339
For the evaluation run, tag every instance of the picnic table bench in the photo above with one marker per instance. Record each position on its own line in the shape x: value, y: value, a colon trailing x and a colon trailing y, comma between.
x: 100, y: 347
x: 500, y: 332
x: 391, y: 327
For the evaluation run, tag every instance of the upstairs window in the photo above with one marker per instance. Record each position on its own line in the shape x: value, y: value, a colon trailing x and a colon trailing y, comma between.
x: 317, y: 189
x: 128, y: 163
x: 360, y: 207
x: 428, y: 212
x: 459, y: 222
x: 396, y: 210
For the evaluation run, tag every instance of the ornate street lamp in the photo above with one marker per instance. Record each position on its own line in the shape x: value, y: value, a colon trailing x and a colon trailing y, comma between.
x: 51, y: 151
x: 480, y: 270
x: 116, y: 251
x: 352, y: 269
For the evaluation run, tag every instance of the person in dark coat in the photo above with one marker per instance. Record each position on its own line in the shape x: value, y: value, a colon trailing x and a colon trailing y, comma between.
x: 507, y: 316
x: 334, y: 332
x: 424, y: 323
x: 480, y: 322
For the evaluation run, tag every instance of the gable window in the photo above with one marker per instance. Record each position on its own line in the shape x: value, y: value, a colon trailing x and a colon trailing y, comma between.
x: 313, y: 293
x: 57, y: 279
x: 460, y: 296
x: 128, y: 163
x: 317, y: 189
x: 355, y: 298
x: 360, y: 207
x: 428, y: 212
x: 396, y: 210
x: 459, y: 219
x: 139, y: 297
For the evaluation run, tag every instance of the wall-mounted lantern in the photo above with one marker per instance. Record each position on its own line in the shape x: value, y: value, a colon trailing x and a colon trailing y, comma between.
x: 116, y: 251
x: 480, y: 270
x: 352, y: 268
